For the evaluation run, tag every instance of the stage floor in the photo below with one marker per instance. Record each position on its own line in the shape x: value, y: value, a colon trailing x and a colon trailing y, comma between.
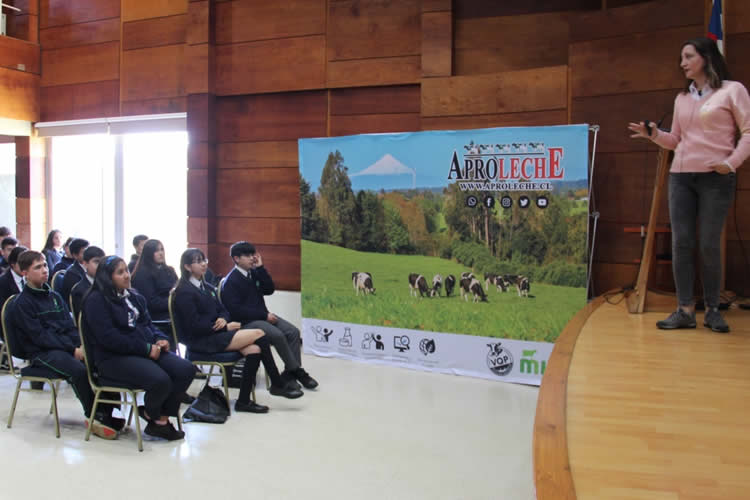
x: 654, y: 414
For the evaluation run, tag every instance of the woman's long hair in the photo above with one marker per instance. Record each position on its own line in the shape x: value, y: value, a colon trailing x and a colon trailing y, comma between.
x: 50, y: 243
x: 715, y: 66
x: 103, y: 278
x: 189, y: 256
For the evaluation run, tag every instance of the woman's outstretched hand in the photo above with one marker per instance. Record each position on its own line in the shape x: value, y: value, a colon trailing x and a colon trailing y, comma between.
x: 639, y: 130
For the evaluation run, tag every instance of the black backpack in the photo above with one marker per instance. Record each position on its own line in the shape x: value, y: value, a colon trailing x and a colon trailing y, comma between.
x: 210, y: 406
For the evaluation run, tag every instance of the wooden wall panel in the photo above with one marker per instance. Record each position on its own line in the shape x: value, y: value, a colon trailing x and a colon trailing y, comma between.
x: 269, y: 154
x: 271, y: 66
x: 613, y: 112
x: 495, y: 44
x: 618, y: 65
x: 62, y: 12
x: 259, y: 230
x: 254, y: 20
x: 374, y: 124
x: 359, y: 30
x: 80, y: 101
x: 379, y: 71
x: 437, y: 44
x: 19, y: 93
x: 155, y: 32
x: 437, y: 5
x: 17, y: 54
x: 623, y: 186
x: 648, y: 17
x: 609, y: 276
x: 154, y: 106
x: 737, y: 272
x: 464, y: 9
x: 371, y: 100
x: 272, y: 117
x: 516, y: 91
x: 133, y: 10
x: 72, y: 35
x: 90, y: 63
x: 530, y: 119
x: 737, y: 17
x: 258, y: 192
x: 153, y: 73
x: 282, y: 262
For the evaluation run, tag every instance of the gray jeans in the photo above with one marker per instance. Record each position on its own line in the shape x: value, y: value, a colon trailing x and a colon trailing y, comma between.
x: 285, y: 337
x: 702, y: 198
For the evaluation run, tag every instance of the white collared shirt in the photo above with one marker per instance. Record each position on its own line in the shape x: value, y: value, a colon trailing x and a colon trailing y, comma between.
x: 242, y: 271
x: 91, y: 280
x: 18, y: 279
x: 197, y: 283
x: 133, y: 314
x: 700, y: 94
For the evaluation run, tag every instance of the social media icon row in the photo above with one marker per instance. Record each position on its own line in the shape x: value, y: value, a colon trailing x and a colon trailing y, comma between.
x: 507, y: 202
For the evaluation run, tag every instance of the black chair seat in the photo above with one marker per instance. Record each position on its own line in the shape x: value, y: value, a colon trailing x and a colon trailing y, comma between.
x: 219, y: 357
x: 40, y: 371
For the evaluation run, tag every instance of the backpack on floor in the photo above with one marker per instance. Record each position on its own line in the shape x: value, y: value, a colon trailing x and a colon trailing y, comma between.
x: 210, y: 406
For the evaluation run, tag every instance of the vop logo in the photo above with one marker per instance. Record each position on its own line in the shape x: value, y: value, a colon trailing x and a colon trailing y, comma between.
x: 499, y: 359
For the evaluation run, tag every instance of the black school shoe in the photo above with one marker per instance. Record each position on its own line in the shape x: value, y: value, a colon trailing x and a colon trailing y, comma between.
x: 305, y: 379
x: 288, y: 378
x: 288, y: 391
x: 166, y: 431
x: 250, y: 407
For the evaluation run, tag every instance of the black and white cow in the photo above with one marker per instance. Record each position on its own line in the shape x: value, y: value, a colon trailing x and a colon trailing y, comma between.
x: 523, y: 286
x: 418, y: 285
x: 355, y: 274
x: 465, y: 285
x: 489, y: 279
x: 467, y: 274
x: 363, y: 281
x: 500, y: 283
x: 450, y: 284
x: 477, y: 291
x: 437, y: 282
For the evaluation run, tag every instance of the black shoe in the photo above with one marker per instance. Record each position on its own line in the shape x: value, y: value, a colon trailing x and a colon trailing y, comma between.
x: 187, y: 399
x: 289, y: 379
x: 114, y: 422
x: 715, y: 322
x: 166, y: 431
x: 678, y: 319
x: 287, y: 391
x: 305, y: 379
x: 250, y: 407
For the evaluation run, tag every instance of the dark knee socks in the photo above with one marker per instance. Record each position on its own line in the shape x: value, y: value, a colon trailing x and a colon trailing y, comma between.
x: 252, y: 361
x: 268, y: 362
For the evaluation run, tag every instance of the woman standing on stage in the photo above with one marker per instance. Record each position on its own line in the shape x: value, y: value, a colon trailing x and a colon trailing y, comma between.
x: 708, y: 114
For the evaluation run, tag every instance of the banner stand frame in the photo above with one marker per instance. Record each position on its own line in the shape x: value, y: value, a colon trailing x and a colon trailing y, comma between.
x: 592, y: 214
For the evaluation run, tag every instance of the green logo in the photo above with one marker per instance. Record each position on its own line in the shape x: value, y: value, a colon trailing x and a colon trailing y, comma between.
x: 530, y: 365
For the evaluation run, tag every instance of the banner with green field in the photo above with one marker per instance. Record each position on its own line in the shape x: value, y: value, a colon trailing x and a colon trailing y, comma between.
x: 453, y: 251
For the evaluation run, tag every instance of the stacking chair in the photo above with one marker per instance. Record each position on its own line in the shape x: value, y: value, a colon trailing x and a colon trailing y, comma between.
x: 73, y: 312
x: 220, y: 288
x: 27, y: 373
x: 100, y: 385
x: 57, y: 281
x: 222, y: 360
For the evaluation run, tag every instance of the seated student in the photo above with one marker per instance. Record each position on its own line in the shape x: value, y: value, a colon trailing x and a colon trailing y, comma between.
x: 48, y: 338
x: 52, y: 250
x: 130, y: 351
x: 153, y: 279
x: 6, y: 246
x: 205, y: 326
x: 66, y: 261
x: 76, y: 271
x: 12, y: 281
x: 91, y: 257
x: 242, y: 295
x: 138, y: 241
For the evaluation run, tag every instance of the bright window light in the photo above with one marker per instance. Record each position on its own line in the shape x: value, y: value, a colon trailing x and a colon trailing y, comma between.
x: 8, y: 186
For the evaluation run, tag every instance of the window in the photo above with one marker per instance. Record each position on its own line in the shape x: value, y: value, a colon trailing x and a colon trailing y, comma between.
x: 8, y: 185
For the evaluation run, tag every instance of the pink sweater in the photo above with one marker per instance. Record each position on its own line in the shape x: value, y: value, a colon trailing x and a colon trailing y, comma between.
x: 703, y: 131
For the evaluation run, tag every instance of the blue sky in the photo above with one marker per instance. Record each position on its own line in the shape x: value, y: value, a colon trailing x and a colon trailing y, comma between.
x: 428, y: 154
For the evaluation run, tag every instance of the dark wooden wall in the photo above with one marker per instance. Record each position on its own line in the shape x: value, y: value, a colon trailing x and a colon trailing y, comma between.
x: 255, y: 76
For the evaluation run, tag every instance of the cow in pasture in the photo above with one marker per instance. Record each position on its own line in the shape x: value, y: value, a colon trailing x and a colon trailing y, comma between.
x: 522, y: 283
x: 467, y: 274
x: 500, y: 283
x: 363, y: 281
x: 477, y: 291
x: 465, y: 285
x: 437, y: 282
x: 450, y: 284
x: 489, y: 279
x: 354, y: 277
x: 417, y: 285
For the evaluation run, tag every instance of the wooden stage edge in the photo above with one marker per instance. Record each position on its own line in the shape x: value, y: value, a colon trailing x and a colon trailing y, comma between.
x: 552, y: 474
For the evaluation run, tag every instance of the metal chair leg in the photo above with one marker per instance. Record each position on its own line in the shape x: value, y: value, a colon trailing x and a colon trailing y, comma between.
x: 137, y: 421
x: 53, y: 389
x: 13, y: 406
x: 91, y: 416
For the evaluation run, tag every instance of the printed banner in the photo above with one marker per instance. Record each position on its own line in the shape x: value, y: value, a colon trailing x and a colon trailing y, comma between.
x: 452, y: 251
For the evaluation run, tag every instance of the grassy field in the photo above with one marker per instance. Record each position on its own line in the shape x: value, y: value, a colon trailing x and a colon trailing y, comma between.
x: 327, y: 293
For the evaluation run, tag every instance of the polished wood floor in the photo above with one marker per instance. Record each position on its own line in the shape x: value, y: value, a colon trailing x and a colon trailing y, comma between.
x: 655, y: 414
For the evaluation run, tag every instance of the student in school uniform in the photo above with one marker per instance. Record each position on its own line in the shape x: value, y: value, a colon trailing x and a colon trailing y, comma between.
x: 12, y: 281
x: 242, y: 295
x: 131, y: 351
x: 153, y: 279
x: 6, y: 246
x: 76, y: 271
x: 91, y: 257
x: 48, y: 338
x: 52, y: 250
x: 66, y: 261
x: 205, y: 326
x: 138, y: 241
